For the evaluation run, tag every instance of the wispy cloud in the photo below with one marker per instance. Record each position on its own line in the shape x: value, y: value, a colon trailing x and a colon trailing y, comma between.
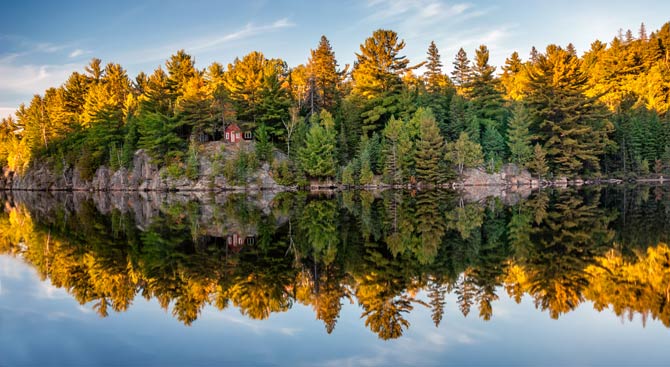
x: 415, y: 11
x: 29, y: 47
x: 248, y: 31
x: 22, y: 79
x: 23, y: 72
x: 209, y: 43
x: 76, y: 53
x: 450, y: 24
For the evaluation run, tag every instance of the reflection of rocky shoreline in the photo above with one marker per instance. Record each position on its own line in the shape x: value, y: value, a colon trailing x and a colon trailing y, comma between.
x: 142, y: 205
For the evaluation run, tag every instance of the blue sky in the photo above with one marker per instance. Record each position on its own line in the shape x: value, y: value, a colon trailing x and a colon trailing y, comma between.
x: 41, y: 43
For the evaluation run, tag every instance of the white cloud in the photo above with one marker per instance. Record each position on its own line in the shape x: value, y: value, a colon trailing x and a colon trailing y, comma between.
x: 419, y: 13
x: 206, y: 43
x: 450, y: 24
x: 24, y: 79
x: 77, y: 52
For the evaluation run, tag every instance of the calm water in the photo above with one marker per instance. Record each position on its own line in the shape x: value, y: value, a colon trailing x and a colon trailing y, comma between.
x: 565, y: 277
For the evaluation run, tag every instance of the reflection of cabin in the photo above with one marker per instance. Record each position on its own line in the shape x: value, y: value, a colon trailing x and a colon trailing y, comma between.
x: 236, y: 241
x: 234, y: 133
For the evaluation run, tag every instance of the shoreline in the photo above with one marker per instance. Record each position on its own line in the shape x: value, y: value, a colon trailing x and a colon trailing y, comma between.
x: 454, y: 185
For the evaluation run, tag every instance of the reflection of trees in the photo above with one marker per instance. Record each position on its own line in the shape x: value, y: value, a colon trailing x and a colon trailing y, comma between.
x: 430, y: 226
x: 392, y: 252
x: 574, y: 231
x: 630, y: 287
x: 380, y: 292
x: 319, y: 221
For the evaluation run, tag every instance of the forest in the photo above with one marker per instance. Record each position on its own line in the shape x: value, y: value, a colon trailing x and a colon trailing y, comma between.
x: 382, y: 119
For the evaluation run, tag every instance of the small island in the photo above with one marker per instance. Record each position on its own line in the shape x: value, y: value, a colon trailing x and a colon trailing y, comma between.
x: 554, y: 117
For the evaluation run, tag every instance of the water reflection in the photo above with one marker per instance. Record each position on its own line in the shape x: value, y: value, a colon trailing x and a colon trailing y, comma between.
x: 389, y: 252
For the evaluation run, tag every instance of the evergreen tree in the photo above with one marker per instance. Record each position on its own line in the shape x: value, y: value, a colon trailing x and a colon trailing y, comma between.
x: 377, y: 77
x: 318, y: 156
x: 158, y: 137
x: 462, y: 71
x: 433, y: 75
x: 493, y: 145
x: 180, y: 68
x: 393, y: 133
x: 459, y: 116
x: 429, y: 149
x: 263, y: 145
x: 274, y: 104
x: 486, y: 99
x: 519, y: 137
x: 512, y: 78
x: 538, y: 164
x: 194, y: 110
x: 323, y: 71
x: 438, y: 89
x: 572, y: 127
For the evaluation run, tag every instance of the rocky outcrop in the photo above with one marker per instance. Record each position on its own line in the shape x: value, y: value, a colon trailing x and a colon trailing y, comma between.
x: 509, y: 175
x: 144, y: 176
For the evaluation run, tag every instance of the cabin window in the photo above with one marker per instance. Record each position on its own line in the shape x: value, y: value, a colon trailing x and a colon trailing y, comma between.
x: 227, y: 136
x: 247, y: 135
x: 237, y: 135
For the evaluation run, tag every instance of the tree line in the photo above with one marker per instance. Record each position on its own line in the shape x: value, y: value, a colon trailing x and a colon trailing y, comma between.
x: 384, y: 118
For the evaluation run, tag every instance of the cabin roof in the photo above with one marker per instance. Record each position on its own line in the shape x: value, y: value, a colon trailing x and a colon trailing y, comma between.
x: 233, y: 127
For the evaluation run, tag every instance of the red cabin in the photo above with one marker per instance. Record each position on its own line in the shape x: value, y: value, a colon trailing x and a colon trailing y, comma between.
x: 233, y: 133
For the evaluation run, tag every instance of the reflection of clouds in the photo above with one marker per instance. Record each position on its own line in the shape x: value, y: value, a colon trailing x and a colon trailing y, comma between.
x: 260, y: 327
x: 47, y: 290
x: 84, y: 310
x: 436, y: 338
x: 464, y: 339
x: 11, y: 268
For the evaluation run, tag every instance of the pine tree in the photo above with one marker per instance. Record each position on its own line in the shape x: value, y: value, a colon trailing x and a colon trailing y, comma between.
x: 429, y: 149
x: 512, y: 77
x: 263, y: 145
x: 318, y: 156
x: 438, y: 89
x: 323, y: 70
x: 459, y: 114
x: 158, y: 136
x: 462, y: 71
x: 486, y: 99
x: 393, y: 132
x: 377, y: 77
x: 538, y: 164
x: 180, y: 68
x: 433, y: 75
x: 571, y: 126
x: 129, y: 144
x: 244, y: 80
x: 194, y: 109
x: 274, y: 101
x: 493, y: 145
x: 519, y: 137
x: 642, y: 34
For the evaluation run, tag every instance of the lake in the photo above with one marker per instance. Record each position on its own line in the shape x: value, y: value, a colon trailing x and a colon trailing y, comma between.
x: 558, y: 277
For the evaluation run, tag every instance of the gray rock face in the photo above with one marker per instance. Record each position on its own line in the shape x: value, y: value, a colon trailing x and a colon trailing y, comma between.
x: 144, y: 176
x: 509, y: 175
